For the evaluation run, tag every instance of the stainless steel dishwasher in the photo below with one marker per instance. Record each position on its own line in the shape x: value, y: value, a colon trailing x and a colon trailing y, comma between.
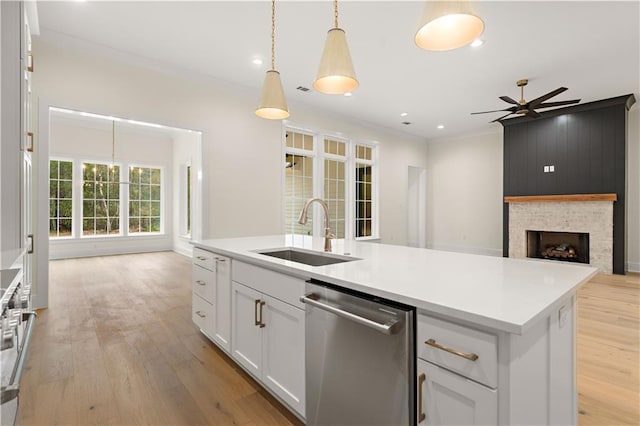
x: 360, y: 358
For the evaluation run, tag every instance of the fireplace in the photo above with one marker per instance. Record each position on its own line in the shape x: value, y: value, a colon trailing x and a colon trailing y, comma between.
x: 563, y: 246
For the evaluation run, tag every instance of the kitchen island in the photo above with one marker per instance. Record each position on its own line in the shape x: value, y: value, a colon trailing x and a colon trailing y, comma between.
x: 516, y: 316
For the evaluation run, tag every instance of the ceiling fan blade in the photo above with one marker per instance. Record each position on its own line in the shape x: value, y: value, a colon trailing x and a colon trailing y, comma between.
x: 559, y: 103
x: 498, y: 119
x: 532, y: 113
x: 508, y: 100
x: 537, y: 101
x: 512, y: 109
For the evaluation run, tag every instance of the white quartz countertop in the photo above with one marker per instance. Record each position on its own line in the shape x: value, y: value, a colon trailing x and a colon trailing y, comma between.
x: 501, y: 293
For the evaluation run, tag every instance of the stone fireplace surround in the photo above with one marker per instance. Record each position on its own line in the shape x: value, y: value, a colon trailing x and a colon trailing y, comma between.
x: 588, y: 213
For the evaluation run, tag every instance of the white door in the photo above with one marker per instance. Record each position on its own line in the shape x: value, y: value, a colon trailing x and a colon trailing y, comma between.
x: 246, y: 334
x: 416, y: 207
x: 446, y: 398
x: 222, y: 302
x: 283, y: 352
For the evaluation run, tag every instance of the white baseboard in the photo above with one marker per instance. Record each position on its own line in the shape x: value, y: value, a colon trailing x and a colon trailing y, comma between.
x: 74, y: 248
x: 185, y: 251
x: 633, y: 266
x: 497, y: 252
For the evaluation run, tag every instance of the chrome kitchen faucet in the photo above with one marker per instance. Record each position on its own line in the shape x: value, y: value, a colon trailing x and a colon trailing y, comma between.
x: 302, y: 220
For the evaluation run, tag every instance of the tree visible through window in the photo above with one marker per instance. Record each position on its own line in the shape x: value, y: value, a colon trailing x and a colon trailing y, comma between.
x: 100, y: 199
x: 144, y: 199
x: 60, y: 198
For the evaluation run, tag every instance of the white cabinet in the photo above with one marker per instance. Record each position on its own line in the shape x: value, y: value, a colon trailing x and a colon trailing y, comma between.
x: 211, y: 285
x: 446, y: 398
x: 457, y: 371
x: 268, y: 340
x: 16, y: 136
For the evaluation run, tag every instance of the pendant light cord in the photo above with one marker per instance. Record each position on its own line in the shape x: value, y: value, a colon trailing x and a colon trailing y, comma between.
x: 335, y: 13
x: 273, y: 34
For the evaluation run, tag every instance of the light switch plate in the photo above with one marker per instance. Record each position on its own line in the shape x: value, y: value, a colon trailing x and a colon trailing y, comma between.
x: 546, y: 169
x: 552, y: 169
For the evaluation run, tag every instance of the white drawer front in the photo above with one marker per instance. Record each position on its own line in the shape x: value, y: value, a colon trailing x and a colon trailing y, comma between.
x: 203, y: 283
x: 202, y: 314
x: 446, y: 338
x: 282, y: 287
x: 203, y: 258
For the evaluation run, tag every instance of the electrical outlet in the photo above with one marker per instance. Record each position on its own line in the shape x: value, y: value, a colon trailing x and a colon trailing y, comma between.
x: 552, y: 169
x: 546, y: 169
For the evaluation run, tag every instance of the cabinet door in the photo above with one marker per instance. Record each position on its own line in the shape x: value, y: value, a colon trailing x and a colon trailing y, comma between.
x: 283, y: 352
x: 246, y: 335
x: 222, y: 302
x: 446, y: 398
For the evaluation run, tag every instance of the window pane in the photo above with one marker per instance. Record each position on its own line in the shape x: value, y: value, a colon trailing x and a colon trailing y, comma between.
x: 297, y: 189
x: 144, y: 186
x: 334, y: 195
x: 60, y: 198
x: 100, y: 205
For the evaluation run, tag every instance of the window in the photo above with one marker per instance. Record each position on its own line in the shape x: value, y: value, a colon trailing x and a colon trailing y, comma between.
x: 188, y: 200
x: 364, y: 188
x: 144, y: 199
x: 60, y: 198
x: 100, y: 199
x: 334, y: 184
x: 341, y: 172
x: 298, y: 166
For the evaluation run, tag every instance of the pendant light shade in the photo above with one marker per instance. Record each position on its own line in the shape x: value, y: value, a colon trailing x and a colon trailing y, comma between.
x: 448, y: 25
x: 336, y: 75
x: 273, y: 104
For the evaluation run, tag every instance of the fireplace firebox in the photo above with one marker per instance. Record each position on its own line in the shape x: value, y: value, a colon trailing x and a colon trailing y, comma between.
x: 563, y: 246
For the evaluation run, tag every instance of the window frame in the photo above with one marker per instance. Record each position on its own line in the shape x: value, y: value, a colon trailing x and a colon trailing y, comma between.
x: 162, y: 200
x: 319, y: 177
x: 73, y: 196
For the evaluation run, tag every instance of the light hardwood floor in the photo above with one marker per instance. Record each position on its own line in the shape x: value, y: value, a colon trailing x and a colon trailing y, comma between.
x: 117, y: 346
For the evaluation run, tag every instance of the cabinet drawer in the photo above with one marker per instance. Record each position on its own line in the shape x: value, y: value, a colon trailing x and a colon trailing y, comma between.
x: 203, y: 258
x: 202, y: 314
x: 463, y: 340
x: 203, y: 283
x: 282, y: 287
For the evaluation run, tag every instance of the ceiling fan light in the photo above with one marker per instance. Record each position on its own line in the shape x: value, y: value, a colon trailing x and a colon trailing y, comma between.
x: 448, y: 25
x: 273, y: 104
x: 336, y: 75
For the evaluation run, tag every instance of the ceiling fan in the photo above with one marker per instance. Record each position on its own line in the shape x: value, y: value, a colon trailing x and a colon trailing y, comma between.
x: 523, y: 107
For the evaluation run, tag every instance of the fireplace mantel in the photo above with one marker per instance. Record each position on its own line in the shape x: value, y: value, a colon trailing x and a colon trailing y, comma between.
x: 560, y: 198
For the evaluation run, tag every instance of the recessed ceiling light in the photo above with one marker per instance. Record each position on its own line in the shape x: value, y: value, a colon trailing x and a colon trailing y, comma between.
x: 404, y: 114
x: 347, y: 94
x: 477, y: 42
x: 257, y: 61
x: 440, y: 126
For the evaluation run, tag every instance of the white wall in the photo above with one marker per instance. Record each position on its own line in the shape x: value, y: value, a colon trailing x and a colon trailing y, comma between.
x: 92, y: 141
x: 464, y: 187
x: 186, y: 152
x: 242, y: 162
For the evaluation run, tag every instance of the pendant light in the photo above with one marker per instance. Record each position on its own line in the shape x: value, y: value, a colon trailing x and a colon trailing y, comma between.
x: 336, y: 75
x: 448, y: 25
x: 273, y: 104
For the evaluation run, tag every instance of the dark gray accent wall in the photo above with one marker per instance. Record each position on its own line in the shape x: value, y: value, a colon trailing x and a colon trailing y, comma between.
x: 585, y: 143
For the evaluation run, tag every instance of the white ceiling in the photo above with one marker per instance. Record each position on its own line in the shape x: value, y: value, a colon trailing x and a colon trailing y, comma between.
x: 593, y: 48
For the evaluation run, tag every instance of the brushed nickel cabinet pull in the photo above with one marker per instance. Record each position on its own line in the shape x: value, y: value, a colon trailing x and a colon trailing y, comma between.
x: 30, y: 136
x: 262, y: 324
x: 30, y: 62
x: 220, y: 259
x: 200, y: 282
x: 421, y: 415
x: 30, y: 246
x: 200, y: 314
x: 202, y: 258
x: 255, y: 312
x: 467, y: 355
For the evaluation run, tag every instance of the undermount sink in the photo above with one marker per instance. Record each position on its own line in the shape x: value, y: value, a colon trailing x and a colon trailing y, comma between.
x: 307, y: 257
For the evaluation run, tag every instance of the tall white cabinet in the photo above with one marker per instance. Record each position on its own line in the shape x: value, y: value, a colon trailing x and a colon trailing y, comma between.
x: 16, y: 238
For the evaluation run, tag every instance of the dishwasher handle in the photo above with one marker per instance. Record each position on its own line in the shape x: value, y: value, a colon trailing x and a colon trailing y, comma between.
x: 390, y: 327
